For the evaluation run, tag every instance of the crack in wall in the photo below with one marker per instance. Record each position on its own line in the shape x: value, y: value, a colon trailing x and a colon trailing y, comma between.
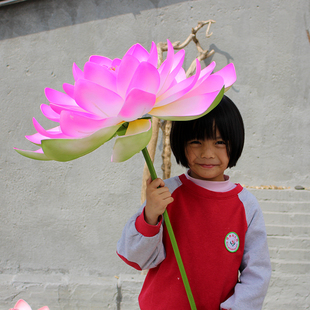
x: 119, y: 296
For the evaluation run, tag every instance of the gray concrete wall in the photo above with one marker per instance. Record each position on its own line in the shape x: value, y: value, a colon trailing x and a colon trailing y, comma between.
x: 287, y: 217
x: 63, y: 219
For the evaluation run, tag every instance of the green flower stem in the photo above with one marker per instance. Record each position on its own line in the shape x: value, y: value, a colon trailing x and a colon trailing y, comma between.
x: 172, y: 236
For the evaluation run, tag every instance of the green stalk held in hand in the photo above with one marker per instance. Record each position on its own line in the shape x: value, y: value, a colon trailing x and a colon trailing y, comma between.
x: 172, y: 236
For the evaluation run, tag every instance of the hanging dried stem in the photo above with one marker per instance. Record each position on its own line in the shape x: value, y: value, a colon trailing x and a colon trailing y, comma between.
x: 163, y: 47
x: 166, y: 125
x: 166, y: 153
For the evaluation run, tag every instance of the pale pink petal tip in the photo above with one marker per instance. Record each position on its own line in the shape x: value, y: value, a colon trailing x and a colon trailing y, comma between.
x: 22, y: 305
x: 228, y: 73
x: 77, y: 72
x: 39, y: 151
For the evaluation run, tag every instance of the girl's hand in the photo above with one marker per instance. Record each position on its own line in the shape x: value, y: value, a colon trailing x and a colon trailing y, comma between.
x: 157, y: 199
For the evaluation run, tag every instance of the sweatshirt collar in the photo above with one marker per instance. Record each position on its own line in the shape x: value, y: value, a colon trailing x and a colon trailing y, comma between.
x: 218, y: 186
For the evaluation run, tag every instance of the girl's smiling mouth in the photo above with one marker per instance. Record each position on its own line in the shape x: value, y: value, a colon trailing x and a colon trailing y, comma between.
x: 208, y: 165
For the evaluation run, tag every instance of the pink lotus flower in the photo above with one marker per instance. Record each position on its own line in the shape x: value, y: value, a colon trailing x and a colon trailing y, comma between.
x: 114, y: 97
x: 22, y: 305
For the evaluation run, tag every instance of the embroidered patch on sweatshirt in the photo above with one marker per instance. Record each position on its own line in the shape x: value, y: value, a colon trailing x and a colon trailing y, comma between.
x: 232, y: 242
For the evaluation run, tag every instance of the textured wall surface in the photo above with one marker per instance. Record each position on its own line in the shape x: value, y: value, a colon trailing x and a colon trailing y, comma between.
x: 63, y: 220
x: 287, y: 217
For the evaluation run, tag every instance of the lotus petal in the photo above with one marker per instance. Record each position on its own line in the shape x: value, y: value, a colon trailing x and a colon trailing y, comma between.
x: 69, y: 89
x: 153, y: 58
x: 166, y: 66
x: 78, y: 126
x: 175, y: 92
x: 38, y: 155
x: 54, y: 133
x: 137, y: 103
x: 215, y: 102
x: 189, y: 108
x: 228, y: 73
x: 180, y: 76
x: 100, y: 75
x: 177, y: 65
x: 126, y: 70
x: 137, y: 137
x: 77, y: 72
x: 204, y: 74
x: 207, y: 70
x: 211, y: 84
x: 101, y: 60
x: 146, y: 78
x: 36, y: 138
x: 139, y: 52
x: 69, y: 149
x: 49, y: 113
x: 179, y: 90
x: 59, y: 107
x: 96, y: 99
x: 22, y: 305
x: 55, y: 96
x: 115, y: 64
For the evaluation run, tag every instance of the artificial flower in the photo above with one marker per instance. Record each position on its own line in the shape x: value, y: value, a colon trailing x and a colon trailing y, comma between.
x: 116, y: 98
x: 22, y: 305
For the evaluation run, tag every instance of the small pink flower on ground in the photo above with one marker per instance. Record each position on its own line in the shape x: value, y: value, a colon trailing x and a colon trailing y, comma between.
x: 22, y: 305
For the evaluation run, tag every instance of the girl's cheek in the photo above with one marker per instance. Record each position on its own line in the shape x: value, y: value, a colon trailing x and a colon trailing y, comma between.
x: 192, y: 153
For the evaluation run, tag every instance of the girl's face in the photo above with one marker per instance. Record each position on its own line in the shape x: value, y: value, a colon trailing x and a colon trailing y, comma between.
x: 207, y: 159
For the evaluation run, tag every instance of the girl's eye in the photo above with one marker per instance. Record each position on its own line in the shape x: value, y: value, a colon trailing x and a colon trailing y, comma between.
x: 221, y: 142
x: 194, y: 142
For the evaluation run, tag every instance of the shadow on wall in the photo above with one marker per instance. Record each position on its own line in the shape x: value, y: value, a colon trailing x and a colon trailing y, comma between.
x: 33, y: 16
x: 228, y: 57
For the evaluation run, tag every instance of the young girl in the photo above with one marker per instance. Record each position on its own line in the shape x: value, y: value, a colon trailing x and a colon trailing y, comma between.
x: 218, y: 225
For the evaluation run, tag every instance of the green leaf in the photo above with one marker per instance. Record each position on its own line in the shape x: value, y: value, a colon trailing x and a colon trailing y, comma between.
x: 33, y: 155
x: 69, y: 149
x: 127, y: 146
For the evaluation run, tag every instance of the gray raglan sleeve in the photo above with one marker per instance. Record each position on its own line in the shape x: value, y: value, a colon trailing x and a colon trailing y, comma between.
x: 141, y: 245
x: 255, y: 267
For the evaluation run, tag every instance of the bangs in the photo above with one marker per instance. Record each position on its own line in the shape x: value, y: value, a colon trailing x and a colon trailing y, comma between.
x: 205, y: 128
x: 201, y: 129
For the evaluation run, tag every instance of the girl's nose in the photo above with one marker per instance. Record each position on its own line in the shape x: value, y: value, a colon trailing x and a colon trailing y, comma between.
x: 207, y: 152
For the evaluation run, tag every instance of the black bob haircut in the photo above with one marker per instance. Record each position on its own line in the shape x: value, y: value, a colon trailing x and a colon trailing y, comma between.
x: 225, y: 117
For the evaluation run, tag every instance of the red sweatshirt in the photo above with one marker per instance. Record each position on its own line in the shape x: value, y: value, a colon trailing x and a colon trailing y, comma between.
x: 211, y: 231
